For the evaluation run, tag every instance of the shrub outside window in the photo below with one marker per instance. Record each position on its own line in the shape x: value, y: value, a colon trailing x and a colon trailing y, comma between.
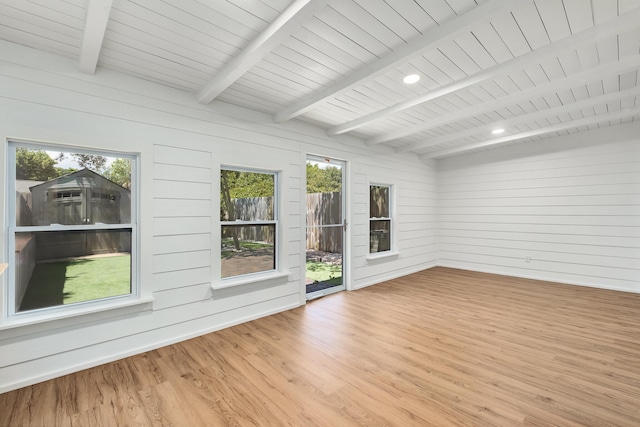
x: 379, y: 218
x: 249, y: 221
x: 71, y: 227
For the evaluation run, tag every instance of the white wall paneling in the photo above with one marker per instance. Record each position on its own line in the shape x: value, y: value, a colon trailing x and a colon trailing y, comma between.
x: 182, y: 144
x: 565, y: 209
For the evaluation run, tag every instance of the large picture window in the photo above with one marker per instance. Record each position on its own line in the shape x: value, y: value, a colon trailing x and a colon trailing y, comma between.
x: 379, y: 218
x: 71, y: 227
x: 249, y: 221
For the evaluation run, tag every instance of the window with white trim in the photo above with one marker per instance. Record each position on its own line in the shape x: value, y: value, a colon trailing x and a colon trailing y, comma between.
x: 248, y: 221
x: 380, y: 218
x: 71, y: 228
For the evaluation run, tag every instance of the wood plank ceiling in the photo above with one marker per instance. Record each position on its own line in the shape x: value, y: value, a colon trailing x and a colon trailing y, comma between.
x: 535, y: 68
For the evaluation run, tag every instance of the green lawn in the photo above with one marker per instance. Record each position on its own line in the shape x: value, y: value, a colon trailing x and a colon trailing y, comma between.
x: 78, y: 280
x: 245, y: 245
x: 324, y: 272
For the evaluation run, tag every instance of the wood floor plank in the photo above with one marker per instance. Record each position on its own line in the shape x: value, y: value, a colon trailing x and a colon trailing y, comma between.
x: 442, y: 347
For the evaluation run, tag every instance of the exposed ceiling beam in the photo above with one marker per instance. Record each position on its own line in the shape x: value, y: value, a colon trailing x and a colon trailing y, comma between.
x: 416, y: 46
x: 628, y: 64
x: 275, y: 34
x: 614, y: 115
x: 95, y: 25
x: 531, y: 117
x: 614, y: 26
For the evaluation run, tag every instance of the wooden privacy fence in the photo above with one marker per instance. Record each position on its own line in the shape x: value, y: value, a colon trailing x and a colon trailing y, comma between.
x: 251, y: 209
x: 323, y: 209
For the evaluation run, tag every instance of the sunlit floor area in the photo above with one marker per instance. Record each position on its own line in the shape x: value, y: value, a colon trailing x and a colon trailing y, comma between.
x: 442, y: 347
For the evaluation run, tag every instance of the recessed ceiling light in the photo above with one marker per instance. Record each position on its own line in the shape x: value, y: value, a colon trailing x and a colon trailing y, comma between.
x: 497, y: 131
x: 411, y: 79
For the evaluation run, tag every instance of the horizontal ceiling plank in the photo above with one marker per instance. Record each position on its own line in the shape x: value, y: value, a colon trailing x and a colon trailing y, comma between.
x: 238, y: 95
x: 620, y: 24
x: 355, y: 33
x: 416, y: 46
x: 532, y: 117
x: 50, y: 32
x: 579, y: 14
x: 158, y: 60
x: 173, y: 15
x: 530, y: 23
x: 18, y: 35
x: 69, y: 12
x: 615, y: 68
x: 415, y: 15
x: 461, y: 6
x: 554, y: 18
x: 254, y: 15
x: 108, y: 60
x: 317, y: 43
x: 612, y: 116
x: 390, y: 18
x: 458, y: 56
x: 312, y: 58
x: 511, y: 34
x: 361, y: 17
x: 171, y: 39
x: 34, y: 14
x: 438, y: 10
x: 124, y: 34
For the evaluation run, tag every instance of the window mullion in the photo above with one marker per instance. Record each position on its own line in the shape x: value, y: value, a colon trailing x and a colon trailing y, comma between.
x: 26, y: 229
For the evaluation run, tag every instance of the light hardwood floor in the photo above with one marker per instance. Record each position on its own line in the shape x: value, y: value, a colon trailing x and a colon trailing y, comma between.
x: 441, y: 347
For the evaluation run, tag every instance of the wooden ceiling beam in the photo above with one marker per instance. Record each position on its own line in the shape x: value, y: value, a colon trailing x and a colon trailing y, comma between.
x: 95, y: 26
x: 416, y: 46
x: 614, y: 115
x: 616, y: 68
x: 275, y: 34
x: 611, y: 27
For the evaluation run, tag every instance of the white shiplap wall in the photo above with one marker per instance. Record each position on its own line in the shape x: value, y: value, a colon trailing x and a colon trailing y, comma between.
x: 182, y: 145
x: 570, y: 205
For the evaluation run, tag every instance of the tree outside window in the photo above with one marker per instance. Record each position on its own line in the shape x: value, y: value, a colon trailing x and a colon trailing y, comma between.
x: 248, y: 218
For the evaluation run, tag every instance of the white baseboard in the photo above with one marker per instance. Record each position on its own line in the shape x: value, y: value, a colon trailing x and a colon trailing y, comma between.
x: 395, y: 275
x: 541, y: 278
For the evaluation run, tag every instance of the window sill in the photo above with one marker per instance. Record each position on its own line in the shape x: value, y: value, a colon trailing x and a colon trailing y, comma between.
x: 381, y: 256
x: 248, y: 279
x: 27, y: 319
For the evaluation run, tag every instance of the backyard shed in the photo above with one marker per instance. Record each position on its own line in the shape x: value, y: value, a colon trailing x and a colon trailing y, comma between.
x: 83, y: 197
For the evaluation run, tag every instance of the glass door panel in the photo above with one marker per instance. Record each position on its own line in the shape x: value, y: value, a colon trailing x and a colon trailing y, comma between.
x: 325, y: 227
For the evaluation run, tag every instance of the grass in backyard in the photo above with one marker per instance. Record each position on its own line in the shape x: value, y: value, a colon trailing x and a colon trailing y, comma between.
x: 246, y: 245
x: 77, y: 280
x: 324, y: 272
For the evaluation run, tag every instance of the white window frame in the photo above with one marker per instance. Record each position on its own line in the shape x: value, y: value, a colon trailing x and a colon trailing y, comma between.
x: 390, y: 218
x: 12, y: 317
x: 241, y: 279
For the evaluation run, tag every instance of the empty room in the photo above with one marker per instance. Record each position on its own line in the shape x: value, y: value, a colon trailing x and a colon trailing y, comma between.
x: 320, y: 212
